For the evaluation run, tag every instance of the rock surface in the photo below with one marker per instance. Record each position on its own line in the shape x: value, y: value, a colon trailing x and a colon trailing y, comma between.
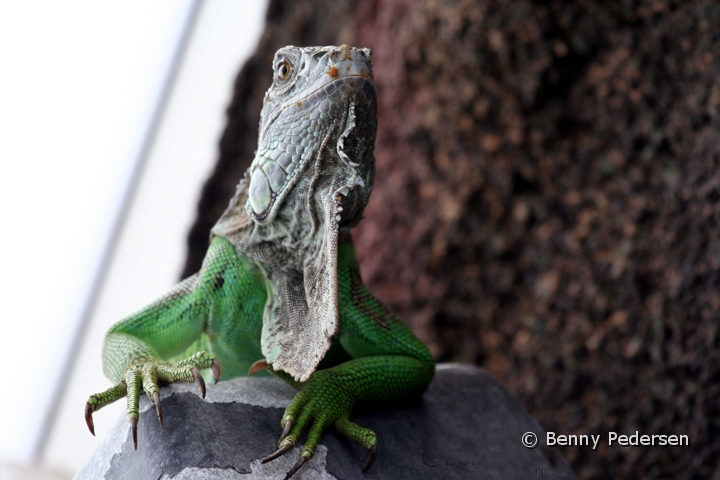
x: 465, y: 426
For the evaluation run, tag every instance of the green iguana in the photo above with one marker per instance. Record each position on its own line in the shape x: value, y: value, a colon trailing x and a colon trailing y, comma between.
x: 280, y: 287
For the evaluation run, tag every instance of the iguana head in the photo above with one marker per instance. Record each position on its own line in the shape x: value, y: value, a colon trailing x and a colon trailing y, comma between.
x: 321, y: 110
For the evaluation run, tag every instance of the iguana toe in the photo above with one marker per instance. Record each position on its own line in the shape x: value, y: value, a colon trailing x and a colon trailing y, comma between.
x: 88, y: 417
x: 286, y: 429
x: 133, y: 427
x: 99, y: 400
x: 216, y: 370
x: 364, y: 436
x: 372, y: 454
x: 257, y: 366
x: 199, y: 381
x: 158, y: 408
x: 286, y: 447
x: 301, y: 461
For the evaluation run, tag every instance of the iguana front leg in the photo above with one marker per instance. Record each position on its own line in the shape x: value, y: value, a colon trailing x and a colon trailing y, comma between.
x: 388, y: 364
x: 160, y: 344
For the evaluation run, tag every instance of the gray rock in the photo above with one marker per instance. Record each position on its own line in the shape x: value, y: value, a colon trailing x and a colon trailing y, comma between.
x: 465, y: 426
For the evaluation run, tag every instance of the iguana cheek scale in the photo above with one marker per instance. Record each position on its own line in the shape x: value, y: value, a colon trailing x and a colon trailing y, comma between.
x: 280, y: 281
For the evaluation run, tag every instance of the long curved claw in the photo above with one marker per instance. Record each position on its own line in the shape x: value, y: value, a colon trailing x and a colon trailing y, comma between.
x: 297, y: 466
x: 99, y: 400
x: 278, y: 453
x: 133, y: 426
x: 257, y: 366
x: 198, y: 380
x: 286, y: 430
x: 88, y: 418
x: 372, y: 454
x: 364, y: 436
x: 216, y: 370
x: 158, y: 408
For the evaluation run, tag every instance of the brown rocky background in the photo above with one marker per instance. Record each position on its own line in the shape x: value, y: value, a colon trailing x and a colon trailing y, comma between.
x: 546, y: 204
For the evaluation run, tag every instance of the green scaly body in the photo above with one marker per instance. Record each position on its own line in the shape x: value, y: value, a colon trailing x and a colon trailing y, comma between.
x: 219, y: 316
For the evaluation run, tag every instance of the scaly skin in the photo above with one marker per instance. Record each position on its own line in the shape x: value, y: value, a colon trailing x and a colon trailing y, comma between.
x: 220, y: 307
x: 388, y: 364
x: 281, y: 237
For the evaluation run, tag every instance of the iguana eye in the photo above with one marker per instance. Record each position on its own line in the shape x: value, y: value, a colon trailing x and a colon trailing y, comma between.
x: 283, y: 71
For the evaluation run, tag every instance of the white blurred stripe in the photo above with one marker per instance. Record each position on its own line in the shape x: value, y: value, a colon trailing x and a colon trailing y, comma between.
x: 151, y: 248
x: 190, y: 13
x: 78, y: 81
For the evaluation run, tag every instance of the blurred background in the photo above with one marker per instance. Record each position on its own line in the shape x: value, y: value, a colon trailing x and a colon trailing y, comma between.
x: 110, y: 116
x: 546, y: 205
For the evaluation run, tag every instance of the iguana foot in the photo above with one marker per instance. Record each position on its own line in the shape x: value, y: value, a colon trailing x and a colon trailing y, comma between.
x: 145, y: 375
x: 323, y: 403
